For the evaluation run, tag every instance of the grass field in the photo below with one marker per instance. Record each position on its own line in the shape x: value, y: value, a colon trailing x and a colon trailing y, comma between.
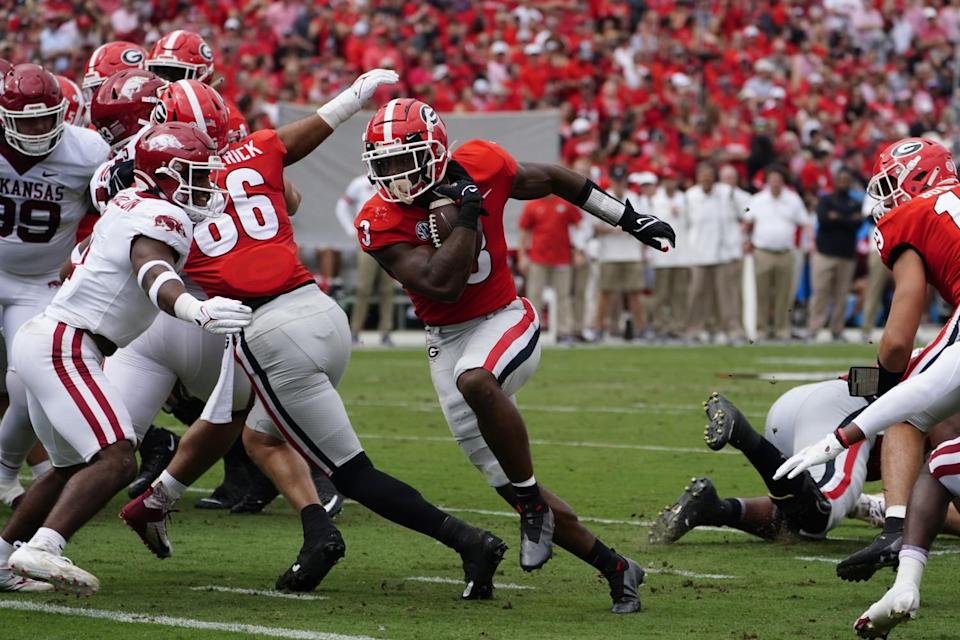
x: 617, y: 433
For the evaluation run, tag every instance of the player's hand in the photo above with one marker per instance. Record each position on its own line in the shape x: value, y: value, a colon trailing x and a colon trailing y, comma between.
x: 650, y: 230
x: 817, y: 453
x: 464, y: 193
x: 365, y: 85
x: 899, y: 604
x: 223, y: 315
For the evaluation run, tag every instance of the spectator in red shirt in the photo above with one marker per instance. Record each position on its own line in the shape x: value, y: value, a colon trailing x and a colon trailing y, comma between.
x: 545, y: 258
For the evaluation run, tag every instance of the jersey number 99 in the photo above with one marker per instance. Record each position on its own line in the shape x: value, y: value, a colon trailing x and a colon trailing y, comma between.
x: 37, y: 221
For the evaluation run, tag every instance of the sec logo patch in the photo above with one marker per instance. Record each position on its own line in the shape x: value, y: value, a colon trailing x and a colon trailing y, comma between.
x: 423, y: 230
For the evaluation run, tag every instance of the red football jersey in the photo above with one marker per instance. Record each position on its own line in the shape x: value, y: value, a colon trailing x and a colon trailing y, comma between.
x: 490, y: 287
x: 249, y: 251
x: 930, y: 225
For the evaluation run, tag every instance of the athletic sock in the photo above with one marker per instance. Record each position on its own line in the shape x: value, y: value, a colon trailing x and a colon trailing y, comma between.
x: 744, y: 436
x: 171, y: 486
x: 766, y: 459
x: 727, y: 513
x: 604, y: 559
x: 456, y: 534
x: 6, y: 549
x: 894, y: 516
x: 37, y: 470
x: 527, y: 491
x: 48, y: 540
x: 9, y: 474
x: 315, y: 522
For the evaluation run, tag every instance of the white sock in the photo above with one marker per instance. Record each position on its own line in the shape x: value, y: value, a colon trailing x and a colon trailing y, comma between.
x: 913, y: 560
x: 171, y: 486
x: 48, y: 540
x: 532, y: 480
x: 8, y: 475
x: 896, y: 511
x: 40, y: 468
x: 6, y: 548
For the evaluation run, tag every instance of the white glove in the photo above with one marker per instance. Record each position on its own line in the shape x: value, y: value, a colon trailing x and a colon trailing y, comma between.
x: 897, y: 605
x: 817, y: 453
x: 216, y: 315
x: 351, y: 100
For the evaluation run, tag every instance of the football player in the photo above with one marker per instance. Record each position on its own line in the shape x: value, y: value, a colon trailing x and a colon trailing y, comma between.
x: 76, y: 105
x: 918, y: 237
x: 45, y: 166
x: 482, y: 340
x: 127, y: 273
x: 108, y: 59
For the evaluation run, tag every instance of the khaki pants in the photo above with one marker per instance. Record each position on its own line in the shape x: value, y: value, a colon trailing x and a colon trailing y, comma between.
x: 368, y: 271
x: 670, y: 299
x: 711, y: 288
x: 560, y: 279
x: 774, y: 271
x: 581, y: 277
x: 877, y: 278
x: 832, y: 278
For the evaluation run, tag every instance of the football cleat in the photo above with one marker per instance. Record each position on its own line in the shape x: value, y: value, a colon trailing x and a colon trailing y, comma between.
x: 11, y: 493
x: 481, y: 557
x: 624, y: 583
x: 884, y: 551
x: 724, y: 419
x: 10, y: 583
x: 224, y: 496
x: 330, y: 498
x: 156, y: 452
x: 37, y: 564
x: 313, y: 564
x: 699, y: 497
x: 871, y: 509
x: 899, y: 604
x: 147, y: 515
x: 536, y: 534
x: 260, y: 492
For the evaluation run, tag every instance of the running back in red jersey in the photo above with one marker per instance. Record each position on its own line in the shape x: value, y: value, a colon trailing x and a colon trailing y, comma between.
x: 930, y: 225
x: 249, y: 252
x: 490, y: 287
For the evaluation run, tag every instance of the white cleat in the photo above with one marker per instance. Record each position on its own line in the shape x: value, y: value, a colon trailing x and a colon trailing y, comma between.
x: 871, y: 509
x: 897, y: 605
x: 33, y: 562
x: 10, y: 493
x: 10, y: 583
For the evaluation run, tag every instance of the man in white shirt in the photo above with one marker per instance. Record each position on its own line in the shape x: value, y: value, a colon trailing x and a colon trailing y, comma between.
x: 734, y: 242
x: 714, y: 227
x: 671, y: 270
x: 775, y: 216
x: 369, y: 272
x: 878, y: 277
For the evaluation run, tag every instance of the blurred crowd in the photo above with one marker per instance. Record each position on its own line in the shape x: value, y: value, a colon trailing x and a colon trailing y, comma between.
x: 655, y: 87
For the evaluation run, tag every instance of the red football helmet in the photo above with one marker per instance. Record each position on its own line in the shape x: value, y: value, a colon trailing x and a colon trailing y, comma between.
x: 181, y: 55
x: 405, y: 149
x: 237, y: 127
x: 195, y: 103
x: 32, y: 109
x: 123, y: 104
x: 178, y: 162
x: 76, y: 105
x: 907, y: 168
x: 108, y: 59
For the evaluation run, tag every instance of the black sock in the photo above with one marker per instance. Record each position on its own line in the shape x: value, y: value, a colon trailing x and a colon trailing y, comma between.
x: 766, y: 459
x: 315, y: 522
x: 727, y: 514
x: 892, y: 525
x: 744, y: 436
x: 604, y: 559
x: 527, y: 494
x: 457, y: 534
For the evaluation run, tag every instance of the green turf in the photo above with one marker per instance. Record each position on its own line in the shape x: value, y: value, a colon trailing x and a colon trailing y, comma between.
x: 648, y: 396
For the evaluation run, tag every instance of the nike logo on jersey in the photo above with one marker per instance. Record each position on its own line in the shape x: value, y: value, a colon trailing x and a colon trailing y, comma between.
x: 241, y: 154
x: 48, y: 174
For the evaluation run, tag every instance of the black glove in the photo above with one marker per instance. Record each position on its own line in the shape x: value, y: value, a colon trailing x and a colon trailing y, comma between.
x: 464, y: 192
x: 650, y: 230
x: 121, y: 177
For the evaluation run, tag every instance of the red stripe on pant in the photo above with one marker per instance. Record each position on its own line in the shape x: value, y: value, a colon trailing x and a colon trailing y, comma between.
x: 61, y: 370
x: 510, y: 337
x: 945, y: 470
x: 923, y: 354
x: 93, y: 386
x: 848, y: 463
x: 944, y: 450
x: 276, y: 420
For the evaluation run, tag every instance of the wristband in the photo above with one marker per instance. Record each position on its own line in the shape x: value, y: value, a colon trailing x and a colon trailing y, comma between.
x: 888, y: 379
x: 599, y: 203
x: 187, y: 307
x: 337, y: 111
x: 150, y: 264
x: 841, y: 437
x: 158, y: 282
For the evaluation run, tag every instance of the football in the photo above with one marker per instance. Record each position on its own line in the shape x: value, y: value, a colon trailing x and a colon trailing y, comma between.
x: 443, y: 218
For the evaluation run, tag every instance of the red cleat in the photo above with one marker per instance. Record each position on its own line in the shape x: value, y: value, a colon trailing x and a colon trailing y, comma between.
x: 147, y: 515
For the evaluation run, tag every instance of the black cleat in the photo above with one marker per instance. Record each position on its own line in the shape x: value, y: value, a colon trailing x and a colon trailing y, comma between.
x: 536, y: 533
x: 884, y: 551
x: 156, y: 452
x: 480, y: 561
x: 223, y: 497
x: 260, y: 493
x: 698, y: 498
x: 313, y: 564
x: 330, y: 498
x: 724, y: 419
x: 623, y: 586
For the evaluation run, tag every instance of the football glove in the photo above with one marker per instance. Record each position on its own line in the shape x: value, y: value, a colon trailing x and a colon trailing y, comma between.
x: 216, y: 315
x: 650, y: 230
x: 817, y: 453
x: 899, y: 604
x: 466, y: 195
x: 352, y: 99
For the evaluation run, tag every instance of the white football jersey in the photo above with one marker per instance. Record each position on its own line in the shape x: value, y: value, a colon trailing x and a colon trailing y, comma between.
x: 100, y: 182
x: 102, y: 295
x: 41, y: 208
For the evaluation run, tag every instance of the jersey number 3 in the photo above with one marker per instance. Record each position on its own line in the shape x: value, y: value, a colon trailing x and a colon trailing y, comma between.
x: 255, y: 213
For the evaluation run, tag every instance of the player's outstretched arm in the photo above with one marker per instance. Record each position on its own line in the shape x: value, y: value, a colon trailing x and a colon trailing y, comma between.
x: 539, y: 180
x: 305, y: 135
x: 153, y: 263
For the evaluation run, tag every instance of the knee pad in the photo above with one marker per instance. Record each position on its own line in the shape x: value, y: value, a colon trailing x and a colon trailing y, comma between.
x: 806, y: 512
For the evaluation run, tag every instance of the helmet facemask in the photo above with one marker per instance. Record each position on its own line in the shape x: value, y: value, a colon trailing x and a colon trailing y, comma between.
x: 34, y: 144
x: 196, y: 191
x: 402, y: 171
x: 172, y: 70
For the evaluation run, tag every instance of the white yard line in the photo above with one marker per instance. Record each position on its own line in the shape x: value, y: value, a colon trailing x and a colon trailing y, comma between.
x: 832, y: 560
x: 688, y: 574
x: 168, y: 621
x: 637, y: 408
x: 439, y: 580
x: 258, y: 592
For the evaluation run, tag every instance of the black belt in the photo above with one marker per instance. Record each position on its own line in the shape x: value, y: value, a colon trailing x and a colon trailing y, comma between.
x: 256, y: 303
x: 106, y: 345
